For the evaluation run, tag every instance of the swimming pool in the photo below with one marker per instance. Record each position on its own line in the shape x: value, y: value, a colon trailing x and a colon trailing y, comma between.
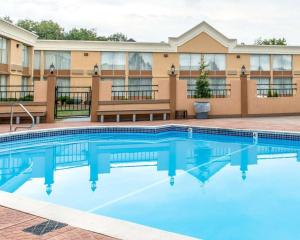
x: 203, y: 185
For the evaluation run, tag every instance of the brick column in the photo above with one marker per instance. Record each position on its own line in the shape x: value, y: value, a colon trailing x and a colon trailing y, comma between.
x: 244, y: 95
x: 173, y: 95
x: 51, y: 84
x: 95, y: 97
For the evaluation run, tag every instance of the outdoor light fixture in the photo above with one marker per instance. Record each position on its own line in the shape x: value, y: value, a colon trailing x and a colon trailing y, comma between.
x: 52, y: 68
x: 243, y: 70
x: 172, y: 70
x: 96, y: 69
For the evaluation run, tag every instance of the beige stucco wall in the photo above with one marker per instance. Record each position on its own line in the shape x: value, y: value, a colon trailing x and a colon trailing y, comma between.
x: 273, y: 105
x: 202, y: 43
x: 161, y: 63
x: 40, y: 91
x: 228, y: 106
x: 81, y: 62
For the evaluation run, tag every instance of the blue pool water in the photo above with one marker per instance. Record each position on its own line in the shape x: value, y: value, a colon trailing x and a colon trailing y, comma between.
x: 209, y: 187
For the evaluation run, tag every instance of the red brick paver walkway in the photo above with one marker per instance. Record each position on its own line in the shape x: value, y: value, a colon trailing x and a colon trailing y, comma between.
x: 13, y: 222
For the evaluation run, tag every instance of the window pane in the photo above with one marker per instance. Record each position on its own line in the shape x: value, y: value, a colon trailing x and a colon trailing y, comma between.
x: 254, y: 63
x: 119, y: 61
x: 209, y: 61
x: 64, y: 83
x: 37, y: 60
x: 107, y: 61
x: 264, y: 63
x: 185, y: 61
x: 25, y: 56
x: 282, y: 62
x: 133, y: 61
x: 60, y: 59
x: 195, y: 62
x: 220, y: 62
x: 3, y: 50
x: 3, y: 86
x: 146, y: 61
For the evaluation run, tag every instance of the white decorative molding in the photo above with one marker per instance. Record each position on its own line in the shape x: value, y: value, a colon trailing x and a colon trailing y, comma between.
x: 11, y: 31
x: 203, y: 27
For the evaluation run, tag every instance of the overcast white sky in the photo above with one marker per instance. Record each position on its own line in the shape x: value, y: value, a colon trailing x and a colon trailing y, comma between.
x: 156, y: 20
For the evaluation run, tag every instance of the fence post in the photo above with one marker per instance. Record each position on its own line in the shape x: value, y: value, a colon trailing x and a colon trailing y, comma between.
x: 51, y: 85
x: 244, y: 95
x: 173, y: 87
x: 95, y: 97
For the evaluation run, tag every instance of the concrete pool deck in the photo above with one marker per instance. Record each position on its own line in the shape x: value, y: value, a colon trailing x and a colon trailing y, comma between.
x: 291, y: 123
x: 12, y: 222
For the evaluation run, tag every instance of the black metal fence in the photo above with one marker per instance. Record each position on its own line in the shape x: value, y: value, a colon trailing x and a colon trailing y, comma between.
x: 72, y: 101
x: 276, y: 90
x: 16, y: 93
x: 215, y: 90
x: 134, y: 92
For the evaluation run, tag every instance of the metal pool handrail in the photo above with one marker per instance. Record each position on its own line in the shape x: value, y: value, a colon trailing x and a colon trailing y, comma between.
x: 12, y: 116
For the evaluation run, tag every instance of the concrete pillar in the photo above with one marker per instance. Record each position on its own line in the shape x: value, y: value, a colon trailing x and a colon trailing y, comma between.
x: 37, y: 120
x: 172, y: 89
x: 134, y: 117
x: 244, y: 95
x: 51, y: 85
x: 165, y: 116
x: 102, y: 118
x: 17, y: 120
x: 118, y: 118
x: 151, y: 116
x: 95, y: 97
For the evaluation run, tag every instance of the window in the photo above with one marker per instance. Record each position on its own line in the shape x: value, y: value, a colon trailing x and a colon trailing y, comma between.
x: 260, y: 63
x: 113, y: 61
x: 3, y: 87
x: 64, y: 83
x: 118, y: 86
x: 25, y: 86
x: 216, y: 85
x: 140, y: 86
x: 3, y: 50
x: 25, y: 56
x: 283, y: 86
x: 189, y: 62
x: 215, y: 62
x: 140, y: 61
x: 60, y: 59
x: 37, y: 60
x: 282, y: 62
x: 262, y: 86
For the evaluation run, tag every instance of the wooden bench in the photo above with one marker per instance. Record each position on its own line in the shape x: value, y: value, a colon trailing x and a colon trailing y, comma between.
x: 18, y: 115
x: 164, y: 112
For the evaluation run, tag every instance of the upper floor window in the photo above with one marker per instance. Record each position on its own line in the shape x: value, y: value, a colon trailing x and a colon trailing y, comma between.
x: 260, y: 63
x: 215, y: 62
x: 37, y: 60
x: 113, y: 61
x: 25, y: 56
x: 60, y: 59
x: 282, y: 62
x: 140, y: 61
x: 189, y: 62
x: 3, y: 50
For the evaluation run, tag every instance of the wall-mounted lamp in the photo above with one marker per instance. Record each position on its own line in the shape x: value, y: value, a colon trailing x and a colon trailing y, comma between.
x: 96, y: 69
x: 173, y: 69
x: 52, y: 68
x: 243, y: 70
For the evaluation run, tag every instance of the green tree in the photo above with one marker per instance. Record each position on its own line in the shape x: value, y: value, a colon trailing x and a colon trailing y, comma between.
x: 7, y: 19
x: 271, y: 41
x: 202, y: 85
x: 117, y: 37
x: 81, y: 34
x: 46, y: 29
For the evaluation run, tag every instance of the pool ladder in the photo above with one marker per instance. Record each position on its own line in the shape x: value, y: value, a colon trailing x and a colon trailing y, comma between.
x: 12, y: 117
